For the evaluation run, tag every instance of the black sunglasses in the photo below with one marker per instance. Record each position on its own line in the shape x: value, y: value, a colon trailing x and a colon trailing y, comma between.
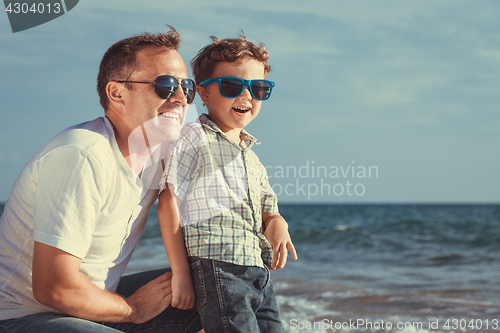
x: 165, y: 86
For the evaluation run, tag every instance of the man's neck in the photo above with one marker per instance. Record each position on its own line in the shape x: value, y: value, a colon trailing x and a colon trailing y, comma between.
x: 133, y: 146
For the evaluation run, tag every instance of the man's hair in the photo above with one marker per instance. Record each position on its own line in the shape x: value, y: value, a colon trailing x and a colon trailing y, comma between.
x: 227, y: 50
x: 119, y: 61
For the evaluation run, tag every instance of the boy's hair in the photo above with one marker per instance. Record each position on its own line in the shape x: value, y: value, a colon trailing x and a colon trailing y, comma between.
x: 227, y: 50
x: 118, y: 63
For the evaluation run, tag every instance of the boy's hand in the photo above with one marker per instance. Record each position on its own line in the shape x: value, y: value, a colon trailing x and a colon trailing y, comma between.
x: 276, y: 232
x: 183, y: 295
x: 151, y: 299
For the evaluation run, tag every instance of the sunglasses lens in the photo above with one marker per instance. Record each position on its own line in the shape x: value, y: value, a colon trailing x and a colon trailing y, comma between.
x: 230, y: 87
x: 261, y: 89
x: 165, y: 86
x: 188, y: 89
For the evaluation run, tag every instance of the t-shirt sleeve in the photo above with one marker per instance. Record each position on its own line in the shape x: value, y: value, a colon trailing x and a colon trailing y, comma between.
x: 68, y: 199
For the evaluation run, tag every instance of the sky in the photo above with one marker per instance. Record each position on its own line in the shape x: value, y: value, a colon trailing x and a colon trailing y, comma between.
x: 375, y: 101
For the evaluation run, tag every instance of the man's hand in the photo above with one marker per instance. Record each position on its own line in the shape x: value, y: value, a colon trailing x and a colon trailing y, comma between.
x: 183, y: 295
x: 276, y: 232
x: 58, y: 283
x: 151, y: 299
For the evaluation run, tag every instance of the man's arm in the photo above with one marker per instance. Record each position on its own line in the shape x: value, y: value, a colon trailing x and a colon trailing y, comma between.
x: 276, y: 232
x: 183, y: 295
x: 58, y: 283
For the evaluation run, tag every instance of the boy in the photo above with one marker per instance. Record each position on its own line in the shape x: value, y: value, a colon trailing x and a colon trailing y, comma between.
x: 223, y: 195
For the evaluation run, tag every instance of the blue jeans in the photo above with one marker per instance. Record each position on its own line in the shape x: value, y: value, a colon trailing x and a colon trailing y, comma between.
x: 172, y: 320
x: 232, y: 298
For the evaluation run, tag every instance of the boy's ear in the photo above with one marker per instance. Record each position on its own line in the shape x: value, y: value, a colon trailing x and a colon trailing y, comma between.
x: 203, y: 94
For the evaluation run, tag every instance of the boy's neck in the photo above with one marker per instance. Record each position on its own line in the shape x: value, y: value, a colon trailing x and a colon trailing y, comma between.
x: 234, y: 135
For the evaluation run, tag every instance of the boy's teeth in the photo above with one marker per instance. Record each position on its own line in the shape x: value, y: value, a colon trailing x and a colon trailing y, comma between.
x: 241, y: 109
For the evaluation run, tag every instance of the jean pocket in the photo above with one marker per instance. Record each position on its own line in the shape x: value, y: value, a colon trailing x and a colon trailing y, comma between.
x: 199, y: 284
x: 268, y: 279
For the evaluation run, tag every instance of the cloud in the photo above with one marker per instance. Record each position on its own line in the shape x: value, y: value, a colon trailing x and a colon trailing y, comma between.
x: 490, y: 54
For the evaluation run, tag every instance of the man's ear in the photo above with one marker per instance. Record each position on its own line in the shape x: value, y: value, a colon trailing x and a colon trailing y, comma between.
x: 202, y: 92
x: 115, y: 91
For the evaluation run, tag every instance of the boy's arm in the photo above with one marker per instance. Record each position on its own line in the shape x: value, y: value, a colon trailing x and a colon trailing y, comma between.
x: 171, y: 231
x: 276, y: 232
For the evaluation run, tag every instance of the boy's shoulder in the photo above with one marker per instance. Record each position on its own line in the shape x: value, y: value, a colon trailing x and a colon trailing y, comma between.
x: 205, y: 128
x: 191, y: 128
x: 195, y: 135
x: 191, y: 133
x: 199, y: 126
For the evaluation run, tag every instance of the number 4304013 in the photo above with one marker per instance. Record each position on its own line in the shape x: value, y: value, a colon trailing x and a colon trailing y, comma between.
x: 472, y: 324
x: 36, y: 8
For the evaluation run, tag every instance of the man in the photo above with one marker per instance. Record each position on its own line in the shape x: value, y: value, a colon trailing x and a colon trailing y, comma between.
x: 80, y: 205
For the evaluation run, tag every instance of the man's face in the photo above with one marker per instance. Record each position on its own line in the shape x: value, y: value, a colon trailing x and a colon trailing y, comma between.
x: 162, y: 119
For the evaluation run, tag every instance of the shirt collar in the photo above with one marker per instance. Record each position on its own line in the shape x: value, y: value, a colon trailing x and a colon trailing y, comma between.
x: 247, y: 140
x: 119, y: 156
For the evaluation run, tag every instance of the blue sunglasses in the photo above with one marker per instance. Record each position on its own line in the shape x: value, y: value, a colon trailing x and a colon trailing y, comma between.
x: 231, y: 87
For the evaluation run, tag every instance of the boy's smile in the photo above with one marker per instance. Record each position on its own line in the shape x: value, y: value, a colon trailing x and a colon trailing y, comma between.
x: 241, y: 110
x: 233, y: 114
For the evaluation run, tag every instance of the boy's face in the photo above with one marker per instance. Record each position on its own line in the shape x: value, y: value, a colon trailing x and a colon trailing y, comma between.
x: 232, y: 113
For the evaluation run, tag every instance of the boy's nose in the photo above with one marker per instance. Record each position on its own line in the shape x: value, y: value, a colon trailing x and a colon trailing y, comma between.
x: 246, y: 93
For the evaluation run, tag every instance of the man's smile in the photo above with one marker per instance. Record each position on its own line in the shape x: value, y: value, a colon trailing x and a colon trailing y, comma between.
x: 172, y: 115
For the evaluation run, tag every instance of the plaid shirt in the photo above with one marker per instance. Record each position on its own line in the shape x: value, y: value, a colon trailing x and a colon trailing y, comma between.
x: 224, y: 189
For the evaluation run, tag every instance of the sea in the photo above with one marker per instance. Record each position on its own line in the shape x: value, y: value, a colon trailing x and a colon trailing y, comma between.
x: 380, y: 267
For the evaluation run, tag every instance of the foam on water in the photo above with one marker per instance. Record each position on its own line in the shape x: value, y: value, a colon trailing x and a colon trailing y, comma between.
x: 310, y: 304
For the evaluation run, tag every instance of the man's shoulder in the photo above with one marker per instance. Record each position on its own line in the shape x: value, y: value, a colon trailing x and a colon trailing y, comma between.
x: 85, y: 134
x: 92, y: 136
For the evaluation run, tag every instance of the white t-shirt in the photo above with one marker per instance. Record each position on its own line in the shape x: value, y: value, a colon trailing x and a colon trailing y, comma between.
x: 77, y: 194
